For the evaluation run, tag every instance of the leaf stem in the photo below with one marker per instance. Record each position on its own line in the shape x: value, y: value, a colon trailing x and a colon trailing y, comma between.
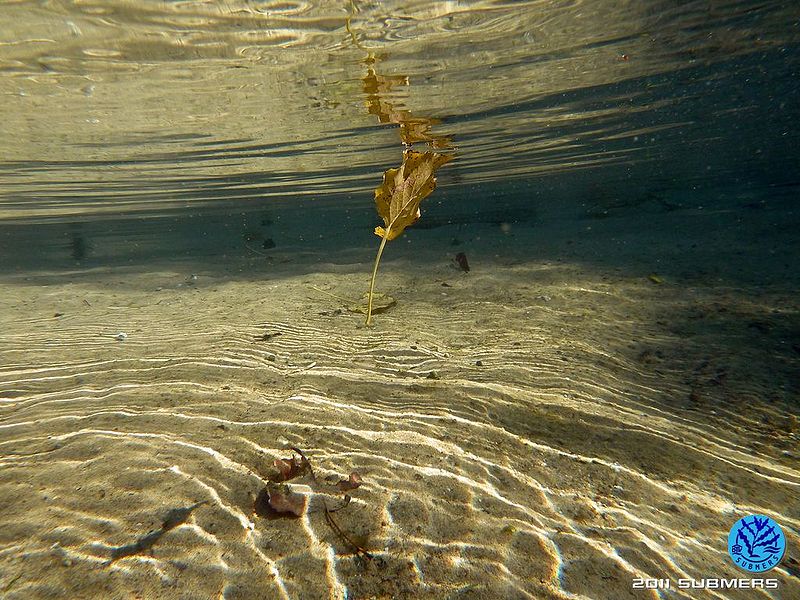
x: 375, y: 273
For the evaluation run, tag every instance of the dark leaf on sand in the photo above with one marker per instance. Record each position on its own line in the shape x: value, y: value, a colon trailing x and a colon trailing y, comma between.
x: 350, y: 483
x: 287, y: 469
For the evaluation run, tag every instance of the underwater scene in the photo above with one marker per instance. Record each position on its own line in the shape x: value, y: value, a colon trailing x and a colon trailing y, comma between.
x: 360, y: 300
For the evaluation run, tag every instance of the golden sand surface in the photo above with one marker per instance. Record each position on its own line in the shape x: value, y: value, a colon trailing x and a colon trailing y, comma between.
x: 534, y: 428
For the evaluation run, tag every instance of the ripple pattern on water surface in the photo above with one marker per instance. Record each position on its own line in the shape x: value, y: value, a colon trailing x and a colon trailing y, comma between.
x: 150, y: 106
x: 549, y: 459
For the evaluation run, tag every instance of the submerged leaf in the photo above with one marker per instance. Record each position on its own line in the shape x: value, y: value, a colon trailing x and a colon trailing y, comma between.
x: 398, y: 198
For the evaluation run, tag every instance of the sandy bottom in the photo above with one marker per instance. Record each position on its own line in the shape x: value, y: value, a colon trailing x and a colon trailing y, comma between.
x: 551, y: 424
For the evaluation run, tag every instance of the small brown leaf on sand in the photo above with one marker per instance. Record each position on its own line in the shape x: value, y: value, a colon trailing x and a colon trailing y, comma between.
x: 350, y: 483
x: 287, y: 469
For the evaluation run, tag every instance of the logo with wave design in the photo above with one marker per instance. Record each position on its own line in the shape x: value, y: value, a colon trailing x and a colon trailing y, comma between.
x: 756, y: 543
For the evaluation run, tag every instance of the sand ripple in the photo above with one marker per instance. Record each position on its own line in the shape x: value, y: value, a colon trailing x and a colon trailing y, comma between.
x: 555, y: 458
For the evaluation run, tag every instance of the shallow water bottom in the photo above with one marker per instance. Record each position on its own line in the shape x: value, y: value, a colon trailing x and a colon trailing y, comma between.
x: 583, y: 407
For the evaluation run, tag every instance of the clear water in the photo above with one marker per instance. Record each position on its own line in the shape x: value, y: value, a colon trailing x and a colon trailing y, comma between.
x: 186, y: 222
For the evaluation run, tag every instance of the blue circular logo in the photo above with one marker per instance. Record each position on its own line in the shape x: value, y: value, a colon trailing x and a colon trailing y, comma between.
x: 756, y: 543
